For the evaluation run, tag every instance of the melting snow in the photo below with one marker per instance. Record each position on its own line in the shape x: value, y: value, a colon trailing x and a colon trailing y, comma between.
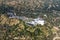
x: 36, y: 21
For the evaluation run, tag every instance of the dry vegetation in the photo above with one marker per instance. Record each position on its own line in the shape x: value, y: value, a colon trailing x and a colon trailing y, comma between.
x: 17, y: 29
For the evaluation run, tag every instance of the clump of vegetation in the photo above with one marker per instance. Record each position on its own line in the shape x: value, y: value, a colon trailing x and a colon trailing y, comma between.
x: 17, y: 29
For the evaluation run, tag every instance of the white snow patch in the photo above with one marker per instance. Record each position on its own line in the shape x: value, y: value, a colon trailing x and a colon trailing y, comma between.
x: 36, y: 21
